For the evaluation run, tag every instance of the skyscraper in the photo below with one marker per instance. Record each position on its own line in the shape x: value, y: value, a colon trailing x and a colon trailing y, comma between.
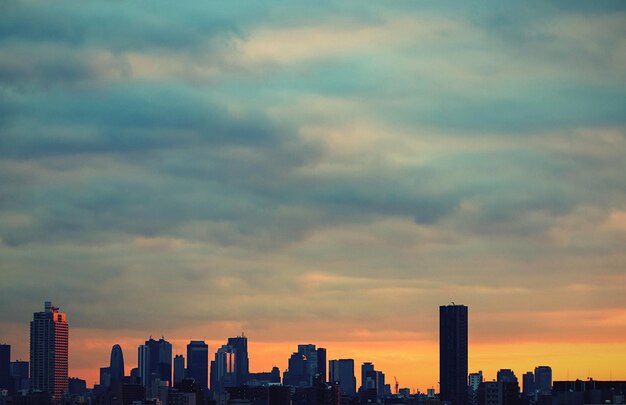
x: 368, y: 376
x: 528, y: 380
x: 179, y: 369
x: 321, y: 363
x: 223, y: 370
x: 116, y: 367
x: 543, y: 380
x: 453, y: 353
x: 198, y: 363
x: 155, y: 361
x: 242, y: 364
x: 5, y: 368
x: 49, y: 351
x: 342, y: 372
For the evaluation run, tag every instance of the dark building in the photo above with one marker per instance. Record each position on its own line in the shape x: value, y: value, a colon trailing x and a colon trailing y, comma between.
x: 265, y: 378
x: 76, y: 386
x: 507, y: 375
x: 179, y: 369
x: 19, y: 374
x: 543, y: 380
x: 49, y: 351
x: 528, y: 383
x: 297, y: 374
x: 198, y: 363
x: 368, y: 376
x: 321, y: 363
x: 498, y: 393
x: 269, y: 395
x: 588, y: 392
x: 155, y: 361
x: 132, y: 393
x: 319, y: 393
x: 6, y: 382
x: 453, y: 353
x: 342, y: 372
x: 116, y: 365
x: 242, y: 363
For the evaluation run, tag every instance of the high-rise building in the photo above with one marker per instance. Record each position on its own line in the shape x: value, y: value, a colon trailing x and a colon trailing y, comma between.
x: 223, y: 370
x: 321, y: 363
x: 528, y: 382
x: 155, y: 362
x: 475, y: 379
x: 19, y: 373
x: 453, y: 353
x: 543, y: 380
x: 49, y: 351
x: 5, y: 368
x: 242, y: 363
x: 297, y: 373
x: 179, y: 369
x: 116, y: 367
x: 507, y: 375
x: 198, y: 363
x: 342, y: 372
x: 368, y: 376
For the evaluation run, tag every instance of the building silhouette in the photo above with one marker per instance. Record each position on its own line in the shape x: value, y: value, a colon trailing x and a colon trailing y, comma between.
x: 342, y: 372
x: 179, y: 369
x: 49, y: 351
x: 242, y: 363
x: 155, y: 362
x: 453, y: 353
x: 116, y: 365
x: 19, y: 374
x: 222, y: 370
x: 5, y: 368
x: 198, y: 363
x: 543, y: 380
x: 528, y: 383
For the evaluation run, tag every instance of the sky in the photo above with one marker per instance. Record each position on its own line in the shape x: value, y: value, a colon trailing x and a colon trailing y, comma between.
x: 318, y: 172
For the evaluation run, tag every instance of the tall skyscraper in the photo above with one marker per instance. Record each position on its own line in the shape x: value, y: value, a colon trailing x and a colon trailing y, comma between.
x: 368, y: 376
x: 198, y: 363
x: 507, y: 375
x: 242, y: 364
x: 116, y: 367
x: 155, y: 361
x: 342, y: 372
x: 5, y: 368
x: 543, y: 380
x: 223, y: 370
x: 49, y: 351
x: 321, y: 363
x: 528, y: 381
x: 453, y: 353
x: 179, y: 369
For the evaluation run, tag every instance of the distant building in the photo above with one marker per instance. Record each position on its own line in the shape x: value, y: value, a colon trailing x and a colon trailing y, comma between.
x: 264, y: 378
x: 528, y: 383
x: 155, y: 361
x: 116, y: 365
x: 19, y: 374
x: 198, y: 363
x: 49, y: 351
x: 453, y: 322
x: 76, y: 386
x: 342, y: 372
x: 223, y: 370
x: 179, y: 369
x: 498, y: 393
x: 305, y: 366
x: 507, y: 375
x: 368, y: 376
x: 242, y: 363
x: 543, y: 380
x: 5, y: 368
x: 475, y: 379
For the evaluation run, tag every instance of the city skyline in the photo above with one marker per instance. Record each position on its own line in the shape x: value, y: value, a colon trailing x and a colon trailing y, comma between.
x: 319, y: 173
x: 93, y: 376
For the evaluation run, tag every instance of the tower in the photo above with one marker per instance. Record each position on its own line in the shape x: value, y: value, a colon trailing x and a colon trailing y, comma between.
x: 198, y: 363
x: 242, y: 364
x: 49, y: 351
x: 453, y: 353
x: 342, y: 371
x: 116, y: 367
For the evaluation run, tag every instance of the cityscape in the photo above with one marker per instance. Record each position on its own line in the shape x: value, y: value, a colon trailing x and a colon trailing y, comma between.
x: 329, y: 202
x: 198, y: 378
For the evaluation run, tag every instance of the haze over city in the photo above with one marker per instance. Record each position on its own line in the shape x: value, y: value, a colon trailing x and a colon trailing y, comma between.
x: 324, y: 173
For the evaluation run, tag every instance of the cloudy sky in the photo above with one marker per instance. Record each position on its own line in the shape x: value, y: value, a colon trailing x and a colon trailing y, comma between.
x: 318, y: 172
